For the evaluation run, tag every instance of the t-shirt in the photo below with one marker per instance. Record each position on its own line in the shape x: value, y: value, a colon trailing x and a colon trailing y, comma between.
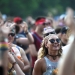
x: 37, y: 42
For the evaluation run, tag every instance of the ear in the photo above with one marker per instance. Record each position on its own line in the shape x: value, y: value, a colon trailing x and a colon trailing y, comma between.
x: 46, y: 44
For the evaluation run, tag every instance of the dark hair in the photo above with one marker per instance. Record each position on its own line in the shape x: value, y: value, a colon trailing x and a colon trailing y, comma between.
x: 17, y: 29
x: 58, y: 30
x: 38, y: 18
x: 64, y: 30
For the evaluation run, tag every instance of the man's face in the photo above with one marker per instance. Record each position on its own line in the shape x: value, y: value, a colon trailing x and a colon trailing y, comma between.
x: 41, y: 27
x: 11, y: 37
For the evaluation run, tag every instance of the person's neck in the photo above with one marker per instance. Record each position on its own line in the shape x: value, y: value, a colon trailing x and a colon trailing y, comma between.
x: 53, y: 53
x: 53, y: 56
x: 39, y: 32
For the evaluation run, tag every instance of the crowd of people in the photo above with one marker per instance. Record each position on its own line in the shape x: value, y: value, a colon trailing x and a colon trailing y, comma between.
x: 37, y: 47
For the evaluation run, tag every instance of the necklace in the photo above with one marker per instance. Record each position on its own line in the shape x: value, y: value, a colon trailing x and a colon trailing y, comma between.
x: 54, y: 56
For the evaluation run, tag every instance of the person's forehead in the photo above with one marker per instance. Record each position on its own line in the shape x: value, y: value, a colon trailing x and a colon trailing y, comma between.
x: 53, y: 37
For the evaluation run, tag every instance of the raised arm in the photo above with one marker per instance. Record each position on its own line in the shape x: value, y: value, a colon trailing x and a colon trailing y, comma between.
x: 67, y: 63
x: 26, y: 62
x: 29, y: 38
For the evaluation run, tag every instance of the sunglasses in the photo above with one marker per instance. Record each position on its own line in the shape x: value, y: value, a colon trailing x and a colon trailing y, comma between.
x: 49, y: 33
x: 12, y: 34
x: 53, y: 40
x: 47, y: 23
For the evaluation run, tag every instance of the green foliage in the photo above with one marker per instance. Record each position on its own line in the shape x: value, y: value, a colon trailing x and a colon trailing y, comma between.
x: 34, y: 8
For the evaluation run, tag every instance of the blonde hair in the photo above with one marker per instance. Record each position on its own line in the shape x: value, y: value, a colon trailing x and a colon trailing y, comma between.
x: 43, y: 51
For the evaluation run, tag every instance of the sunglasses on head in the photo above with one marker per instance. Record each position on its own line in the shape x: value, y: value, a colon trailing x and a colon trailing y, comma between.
x: 53, y: 40
x: 49, y: 33
x: 47, y: 23
x: 12, y: 34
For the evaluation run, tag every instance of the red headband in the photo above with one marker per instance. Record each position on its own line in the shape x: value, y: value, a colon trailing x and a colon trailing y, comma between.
x: 40, y: 22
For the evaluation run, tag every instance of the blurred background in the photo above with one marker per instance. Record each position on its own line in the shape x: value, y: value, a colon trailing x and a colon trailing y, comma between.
x: 34, y: 8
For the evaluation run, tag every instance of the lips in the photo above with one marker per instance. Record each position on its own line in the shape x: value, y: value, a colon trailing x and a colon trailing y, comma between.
x: 56, y: 45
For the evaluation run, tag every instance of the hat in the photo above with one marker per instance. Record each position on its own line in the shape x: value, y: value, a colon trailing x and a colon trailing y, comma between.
x: 48, y: 30
x: 17, y: 20
x: 62, y: 16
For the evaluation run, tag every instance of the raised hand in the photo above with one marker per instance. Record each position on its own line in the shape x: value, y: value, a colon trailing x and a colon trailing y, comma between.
x: 25, y: 27
x: 69, y: 19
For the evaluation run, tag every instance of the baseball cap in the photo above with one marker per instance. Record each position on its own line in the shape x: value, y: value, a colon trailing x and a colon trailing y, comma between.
x: 18, y: 20
x: 48, y: 30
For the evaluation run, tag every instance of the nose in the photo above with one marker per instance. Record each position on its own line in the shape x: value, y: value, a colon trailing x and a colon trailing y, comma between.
x: 55, y: 41
x: 10, y: 36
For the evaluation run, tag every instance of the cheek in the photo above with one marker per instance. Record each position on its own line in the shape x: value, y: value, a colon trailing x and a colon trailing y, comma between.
x: 49, y: 45
x: 13, y: 38
x: 42, y: 26
x: 59, y: 46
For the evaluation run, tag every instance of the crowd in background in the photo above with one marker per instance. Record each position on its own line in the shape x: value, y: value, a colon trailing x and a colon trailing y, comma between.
x: 38, y: 46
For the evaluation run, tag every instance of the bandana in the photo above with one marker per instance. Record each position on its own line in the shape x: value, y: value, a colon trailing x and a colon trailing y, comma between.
x: 40, y: 22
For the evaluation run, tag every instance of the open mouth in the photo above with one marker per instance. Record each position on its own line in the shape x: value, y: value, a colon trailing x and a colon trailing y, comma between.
x: 56, y: 45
